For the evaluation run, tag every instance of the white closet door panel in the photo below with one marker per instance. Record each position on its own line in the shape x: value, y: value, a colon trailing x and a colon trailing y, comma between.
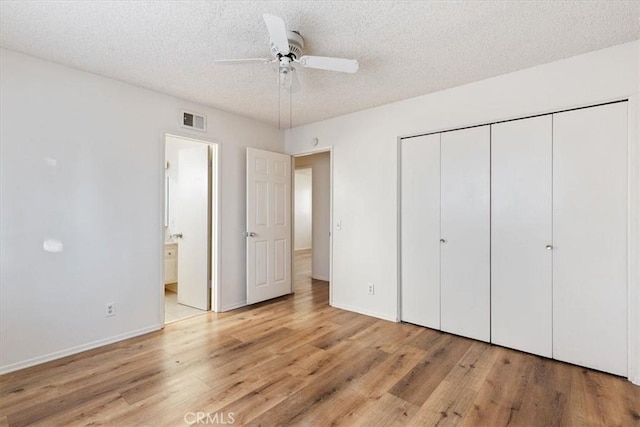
x: 465, y: 255
x: 521, y: 306
x: 590, y: 237
x: 420, y: 235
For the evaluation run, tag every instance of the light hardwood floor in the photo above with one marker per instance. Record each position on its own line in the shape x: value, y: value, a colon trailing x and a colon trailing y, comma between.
x: 297, y: 361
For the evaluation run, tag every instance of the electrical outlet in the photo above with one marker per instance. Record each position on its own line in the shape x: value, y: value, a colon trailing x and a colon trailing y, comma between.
x: 110, y: 309
x: 370, y: 289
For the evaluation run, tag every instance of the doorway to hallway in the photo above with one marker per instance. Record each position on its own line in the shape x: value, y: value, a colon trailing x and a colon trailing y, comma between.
x: 312, y: 219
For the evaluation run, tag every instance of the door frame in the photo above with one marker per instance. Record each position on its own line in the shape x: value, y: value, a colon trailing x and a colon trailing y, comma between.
x: 214, y: 238
x: 324, y: 149
x: 633, y: 242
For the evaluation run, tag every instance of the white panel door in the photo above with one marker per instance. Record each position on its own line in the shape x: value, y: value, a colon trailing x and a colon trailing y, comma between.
x: 465, y: 247
x: 420, y: 234
x: 192, y: 213
x: 268, y: 225
x: 590, y: 237
x: 521, y: 239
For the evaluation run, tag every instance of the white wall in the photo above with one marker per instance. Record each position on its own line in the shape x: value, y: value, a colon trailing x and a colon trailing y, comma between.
x: 321, y: 211
x: 82, y: 162
x: 302, y: 210
x: 365, y: 162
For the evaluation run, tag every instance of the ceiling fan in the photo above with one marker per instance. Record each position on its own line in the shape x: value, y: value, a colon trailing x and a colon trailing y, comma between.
x: 286, y: 49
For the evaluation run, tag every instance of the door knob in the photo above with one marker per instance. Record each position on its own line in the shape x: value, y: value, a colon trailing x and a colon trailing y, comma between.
x: 443, y: 241
x: 250, y: 234
x: 549, y: 247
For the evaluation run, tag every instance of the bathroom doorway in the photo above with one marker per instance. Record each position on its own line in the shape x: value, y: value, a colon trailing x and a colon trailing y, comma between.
x: 190, y: 231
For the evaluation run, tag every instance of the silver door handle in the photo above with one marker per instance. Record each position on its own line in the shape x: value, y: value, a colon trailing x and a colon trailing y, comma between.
x: 250, y: 234
x: 549, y: 247
x: 176, y: 236
x: 443, y: 241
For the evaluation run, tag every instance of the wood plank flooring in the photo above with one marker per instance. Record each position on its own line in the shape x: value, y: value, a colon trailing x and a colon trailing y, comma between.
x: 297, y: 361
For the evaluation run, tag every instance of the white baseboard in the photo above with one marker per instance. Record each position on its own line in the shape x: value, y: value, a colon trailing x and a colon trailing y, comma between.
x: 324, y: 278
x: 365, y: 312
x: 75, y: 350
x: 234, y: 306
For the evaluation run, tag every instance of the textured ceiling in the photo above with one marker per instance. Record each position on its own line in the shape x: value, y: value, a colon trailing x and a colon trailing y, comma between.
x: 405, y: 49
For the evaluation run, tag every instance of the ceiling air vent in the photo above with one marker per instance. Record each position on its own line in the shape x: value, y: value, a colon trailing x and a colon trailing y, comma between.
x: 194, y: 121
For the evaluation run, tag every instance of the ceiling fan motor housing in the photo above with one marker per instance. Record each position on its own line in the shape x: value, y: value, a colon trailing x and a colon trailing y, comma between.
x: 296, y: 43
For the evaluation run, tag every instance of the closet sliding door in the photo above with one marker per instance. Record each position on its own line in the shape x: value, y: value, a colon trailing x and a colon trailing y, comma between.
x: 465, y: 235
x: 521, y: 235
x: 590, y: 237
x: 420, y: 230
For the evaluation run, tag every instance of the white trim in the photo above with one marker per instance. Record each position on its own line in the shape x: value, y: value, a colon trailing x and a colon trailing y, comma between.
x: 365, y: 312
x: 330, y: 224
x: 234, y: 306
x: 292, y: 215
x: 162, y: 229
x: 77, y: 349
x: 633, y: 242
x: 399, y: 228
x: 323, y: 149
x: 216, y: 291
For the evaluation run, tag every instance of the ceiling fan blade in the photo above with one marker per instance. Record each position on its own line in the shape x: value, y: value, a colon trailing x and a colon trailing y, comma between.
x: 330, y: 64
x: 277, y: 32
x: 242, y: 61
